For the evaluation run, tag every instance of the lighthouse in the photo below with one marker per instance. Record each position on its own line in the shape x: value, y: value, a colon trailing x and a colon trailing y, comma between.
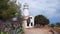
x: 28, y: 19
x: 25, y: 11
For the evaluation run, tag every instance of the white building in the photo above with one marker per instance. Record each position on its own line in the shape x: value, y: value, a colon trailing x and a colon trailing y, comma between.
x: 28, y: 19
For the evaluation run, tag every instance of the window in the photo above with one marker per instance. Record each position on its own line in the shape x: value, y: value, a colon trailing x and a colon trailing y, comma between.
x: 31, y: 24
x: 28, y: 21
x: 27, y: 24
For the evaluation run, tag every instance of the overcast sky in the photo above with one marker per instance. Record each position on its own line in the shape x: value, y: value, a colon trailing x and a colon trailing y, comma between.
x: 48, y: 8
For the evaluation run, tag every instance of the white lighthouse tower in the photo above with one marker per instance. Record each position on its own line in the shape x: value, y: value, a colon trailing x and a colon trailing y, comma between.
x: 28, y: 20
x: 25, y: 9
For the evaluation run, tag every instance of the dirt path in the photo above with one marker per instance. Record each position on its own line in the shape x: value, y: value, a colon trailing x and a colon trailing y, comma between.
x: 57, y: 30
x: 37, y: 31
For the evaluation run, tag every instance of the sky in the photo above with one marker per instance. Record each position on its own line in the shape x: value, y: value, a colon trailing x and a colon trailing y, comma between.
x: 48, y: 8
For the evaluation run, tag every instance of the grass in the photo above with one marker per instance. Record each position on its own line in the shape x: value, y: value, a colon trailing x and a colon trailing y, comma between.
x: 20, y: 30
x: 3, y: 33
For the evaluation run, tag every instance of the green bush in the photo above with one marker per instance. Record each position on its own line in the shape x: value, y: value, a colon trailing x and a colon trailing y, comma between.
x: 20, y: 30
x: 3, y: 33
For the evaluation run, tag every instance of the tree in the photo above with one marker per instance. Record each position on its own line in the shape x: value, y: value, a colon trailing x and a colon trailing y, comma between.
x: 52, y: 25
x: 41, y: 20
x: 58, y: 24
x: 7, y: 9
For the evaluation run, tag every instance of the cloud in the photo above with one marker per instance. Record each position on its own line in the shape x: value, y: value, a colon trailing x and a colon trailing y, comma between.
x: 49, y: 8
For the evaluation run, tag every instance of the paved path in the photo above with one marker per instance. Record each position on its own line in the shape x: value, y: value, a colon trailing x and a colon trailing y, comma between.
x: 36, y: 31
